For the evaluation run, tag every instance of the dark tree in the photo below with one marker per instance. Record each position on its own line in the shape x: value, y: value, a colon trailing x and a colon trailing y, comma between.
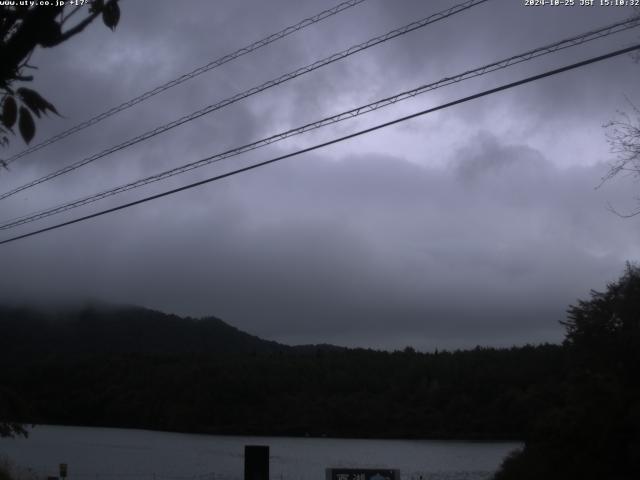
x: 595, y: 432
x: 604, y: 330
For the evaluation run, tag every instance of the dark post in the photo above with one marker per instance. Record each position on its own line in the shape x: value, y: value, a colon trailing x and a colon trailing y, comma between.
x: 256, y: 462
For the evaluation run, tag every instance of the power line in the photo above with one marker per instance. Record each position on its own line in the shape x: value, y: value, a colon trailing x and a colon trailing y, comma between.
x: 510, y: 61
x: 188, y: 76
x: 252, y: 91
x: 330, y: 142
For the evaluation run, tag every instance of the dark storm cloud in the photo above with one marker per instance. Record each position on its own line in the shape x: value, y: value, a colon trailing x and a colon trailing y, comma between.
x: 478, y: 225
x: 373, y: 247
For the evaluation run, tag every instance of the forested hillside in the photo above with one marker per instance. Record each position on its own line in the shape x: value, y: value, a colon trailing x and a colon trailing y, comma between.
x: 131, y: 367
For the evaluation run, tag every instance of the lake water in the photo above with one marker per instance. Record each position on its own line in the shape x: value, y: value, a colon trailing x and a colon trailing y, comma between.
x: 119, y: 454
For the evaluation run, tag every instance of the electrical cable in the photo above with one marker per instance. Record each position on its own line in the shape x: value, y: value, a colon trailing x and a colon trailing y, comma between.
x: 330, y: 142
x: 188, y: 76
x: 252, y: 91
x: 510, y: 61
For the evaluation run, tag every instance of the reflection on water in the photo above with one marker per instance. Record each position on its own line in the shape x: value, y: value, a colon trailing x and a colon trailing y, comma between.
x: 119, y: 454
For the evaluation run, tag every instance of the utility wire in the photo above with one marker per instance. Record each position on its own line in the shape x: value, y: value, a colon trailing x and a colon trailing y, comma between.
x: 252, y: 91
x: 188, y: 76
x: 331, y: 142
x: 501, y: 64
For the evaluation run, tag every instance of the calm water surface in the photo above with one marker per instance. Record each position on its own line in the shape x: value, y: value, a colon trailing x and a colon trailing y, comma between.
x: 119, y: 454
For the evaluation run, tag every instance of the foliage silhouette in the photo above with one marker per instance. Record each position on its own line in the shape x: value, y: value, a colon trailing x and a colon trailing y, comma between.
x: 22, y: 29
x: 594, y: 432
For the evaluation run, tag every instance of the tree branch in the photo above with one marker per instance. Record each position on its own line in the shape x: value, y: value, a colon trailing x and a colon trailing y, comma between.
x: 622, y: 215
x: 78, y: 28
x: 71, y: 14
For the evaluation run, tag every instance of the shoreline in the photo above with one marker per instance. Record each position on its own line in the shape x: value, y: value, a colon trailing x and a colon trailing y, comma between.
x: 450, y: 438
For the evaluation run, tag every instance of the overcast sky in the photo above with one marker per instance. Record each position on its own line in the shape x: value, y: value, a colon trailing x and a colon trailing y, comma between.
x: 478, y: 224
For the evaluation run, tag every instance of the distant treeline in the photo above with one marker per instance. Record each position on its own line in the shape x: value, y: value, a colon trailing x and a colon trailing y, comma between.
x: 131, y: 367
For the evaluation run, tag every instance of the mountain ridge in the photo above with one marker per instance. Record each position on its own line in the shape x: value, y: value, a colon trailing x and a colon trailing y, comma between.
x: 111, y: 328
x: 138, y: 368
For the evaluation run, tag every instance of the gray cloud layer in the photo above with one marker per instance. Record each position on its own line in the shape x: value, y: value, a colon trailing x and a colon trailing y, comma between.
x: 477, y: 225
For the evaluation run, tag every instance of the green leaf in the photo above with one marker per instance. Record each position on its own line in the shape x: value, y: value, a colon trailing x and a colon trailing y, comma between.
x: 9, y: 112
x: 111, y: 14
x: 26, y: 125
x: 36, y: 102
